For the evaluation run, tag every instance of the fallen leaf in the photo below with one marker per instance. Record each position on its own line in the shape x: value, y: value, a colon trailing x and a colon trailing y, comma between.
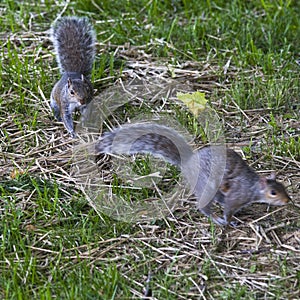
x: 195, y: 102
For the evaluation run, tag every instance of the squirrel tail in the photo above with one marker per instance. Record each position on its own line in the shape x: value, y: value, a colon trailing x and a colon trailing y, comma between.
x: 157, y: 140
x: 74, y: 43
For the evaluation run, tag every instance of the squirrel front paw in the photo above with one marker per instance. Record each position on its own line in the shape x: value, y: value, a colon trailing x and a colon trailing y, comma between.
x: 73, y: 135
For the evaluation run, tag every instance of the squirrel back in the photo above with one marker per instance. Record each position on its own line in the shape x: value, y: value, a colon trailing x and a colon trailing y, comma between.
x: 214, y: 173
x: 74, y: 42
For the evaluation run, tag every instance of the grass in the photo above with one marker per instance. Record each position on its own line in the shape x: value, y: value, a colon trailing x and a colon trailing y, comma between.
x: 243, y: 55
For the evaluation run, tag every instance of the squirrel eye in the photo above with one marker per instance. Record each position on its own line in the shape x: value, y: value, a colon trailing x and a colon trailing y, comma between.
x: 72, y: 92
x: 273, y: 193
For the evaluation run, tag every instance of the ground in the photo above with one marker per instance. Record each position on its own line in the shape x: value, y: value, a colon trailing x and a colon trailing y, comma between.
x: 55, y: 243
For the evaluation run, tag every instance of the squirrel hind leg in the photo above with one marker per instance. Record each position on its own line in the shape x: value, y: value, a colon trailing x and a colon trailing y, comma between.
x: 56, y: 110
x: 228, y: 214
x: 216, y: 219
x: 223, y: 221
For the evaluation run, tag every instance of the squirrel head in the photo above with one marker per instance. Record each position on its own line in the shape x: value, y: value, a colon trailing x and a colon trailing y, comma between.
x: 272, y: 191
x: 79, y: 90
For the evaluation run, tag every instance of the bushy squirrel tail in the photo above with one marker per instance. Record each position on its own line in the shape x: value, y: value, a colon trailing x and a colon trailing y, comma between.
x: 157, y: 140
x: 74, y: 43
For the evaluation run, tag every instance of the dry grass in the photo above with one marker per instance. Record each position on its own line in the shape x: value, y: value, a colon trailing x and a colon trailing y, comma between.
x: 197, y: 259
x: 53, y: 243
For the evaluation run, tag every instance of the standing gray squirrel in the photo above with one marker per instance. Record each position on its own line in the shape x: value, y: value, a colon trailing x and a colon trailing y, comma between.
x: 74, y: 43
x: 214, y: 173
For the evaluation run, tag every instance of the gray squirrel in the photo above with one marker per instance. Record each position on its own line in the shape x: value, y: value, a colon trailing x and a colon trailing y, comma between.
x: 74, y: 43
x: 214, y: 173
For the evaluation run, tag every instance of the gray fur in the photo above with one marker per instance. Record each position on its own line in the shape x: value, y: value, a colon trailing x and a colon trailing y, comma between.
x: 157, y: 140
x: 74, y: 43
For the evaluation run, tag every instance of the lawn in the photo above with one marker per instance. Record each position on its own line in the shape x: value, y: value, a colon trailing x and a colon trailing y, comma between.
x: 57, y: 244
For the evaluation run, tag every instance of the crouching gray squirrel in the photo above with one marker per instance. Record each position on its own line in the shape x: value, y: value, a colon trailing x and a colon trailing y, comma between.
x: 214, y: 173
x: 74, y: 45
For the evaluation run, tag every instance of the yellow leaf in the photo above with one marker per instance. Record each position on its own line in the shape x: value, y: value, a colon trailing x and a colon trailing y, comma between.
x: 195, y: 102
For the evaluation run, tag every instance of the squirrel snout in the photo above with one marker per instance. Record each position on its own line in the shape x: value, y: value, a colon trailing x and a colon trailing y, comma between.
x: 282, y: 201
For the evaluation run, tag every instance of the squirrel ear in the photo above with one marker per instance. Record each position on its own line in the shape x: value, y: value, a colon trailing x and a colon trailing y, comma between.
x: 272, y: 176
x: 263, y: 181
x: 69, y: 82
